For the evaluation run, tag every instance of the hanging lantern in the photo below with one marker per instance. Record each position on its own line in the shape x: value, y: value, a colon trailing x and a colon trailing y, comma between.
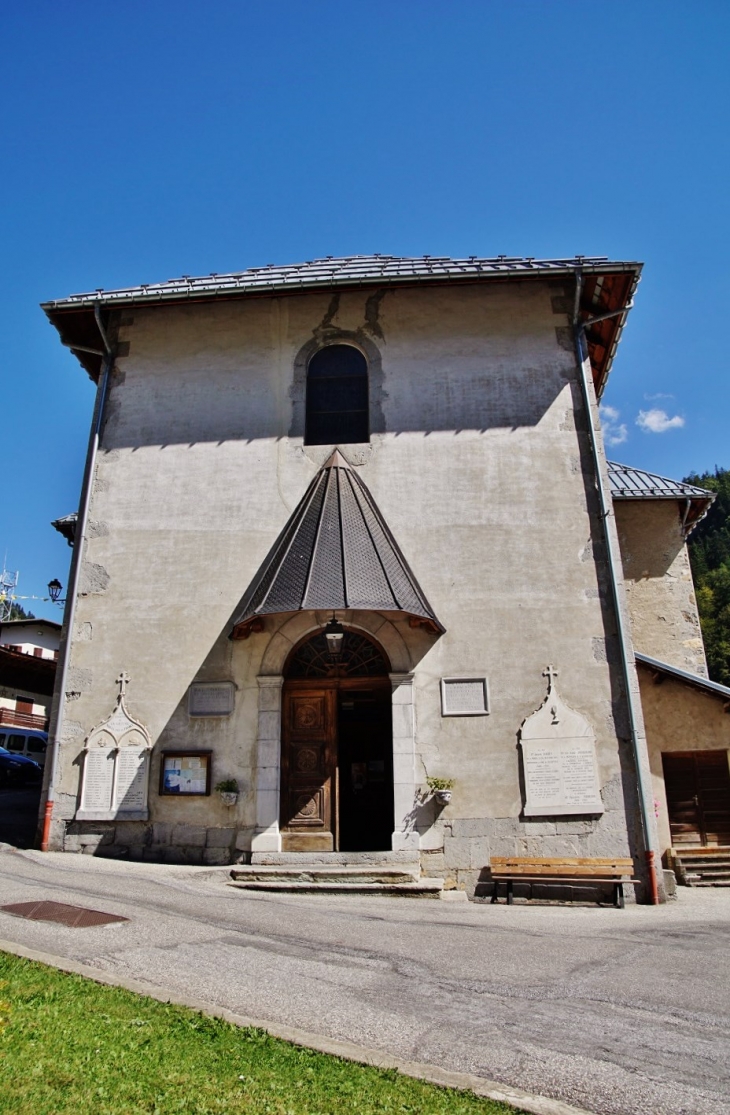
x: 334, y: 633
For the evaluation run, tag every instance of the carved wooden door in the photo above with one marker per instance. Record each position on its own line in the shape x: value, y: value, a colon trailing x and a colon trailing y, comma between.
x: 308, y: 769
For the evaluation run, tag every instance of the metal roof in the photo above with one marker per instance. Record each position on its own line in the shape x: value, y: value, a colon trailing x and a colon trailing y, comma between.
x: 344, y: 271
x: 685, y: 676
x: 28, y: 622
x: 606, y: 289
x: 635, y: 483
x: 335, y: 552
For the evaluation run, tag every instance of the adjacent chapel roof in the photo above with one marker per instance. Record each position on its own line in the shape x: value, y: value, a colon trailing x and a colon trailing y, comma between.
x: 634, y: 483
x: 606, y: 287
x: 664, y: 669
x: 335, y: 552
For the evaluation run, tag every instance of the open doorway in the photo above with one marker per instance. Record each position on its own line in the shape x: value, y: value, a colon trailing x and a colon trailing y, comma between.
x: 337, y: 752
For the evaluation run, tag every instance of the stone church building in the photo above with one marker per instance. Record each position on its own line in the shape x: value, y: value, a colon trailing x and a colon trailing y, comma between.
x: 346, y: 535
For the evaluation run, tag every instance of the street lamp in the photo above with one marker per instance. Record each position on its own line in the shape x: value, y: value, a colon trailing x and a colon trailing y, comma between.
x: 54, y: 589
x: 334, y: 633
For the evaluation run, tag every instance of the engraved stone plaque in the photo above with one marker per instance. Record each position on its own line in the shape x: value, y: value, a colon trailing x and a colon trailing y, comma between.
x: 211, y: 698
x: 464, y: 697
x: 98, y: 781
x: 130, y: 792
x: 559, y: 760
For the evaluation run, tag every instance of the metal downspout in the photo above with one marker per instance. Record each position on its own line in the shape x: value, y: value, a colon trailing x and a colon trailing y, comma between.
x: 638, y: 740
x: 75, y: 573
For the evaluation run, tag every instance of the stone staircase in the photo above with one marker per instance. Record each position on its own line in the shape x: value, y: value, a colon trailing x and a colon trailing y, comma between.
x: 701, y: 867
x: 380, y: 873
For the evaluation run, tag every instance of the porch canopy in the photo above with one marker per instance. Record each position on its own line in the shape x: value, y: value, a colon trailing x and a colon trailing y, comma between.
x: 336, y: 552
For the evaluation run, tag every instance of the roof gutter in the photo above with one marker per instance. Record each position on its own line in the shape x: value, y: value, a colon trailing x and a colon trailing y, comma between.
x: 73, y: 588
x: 631, y: 684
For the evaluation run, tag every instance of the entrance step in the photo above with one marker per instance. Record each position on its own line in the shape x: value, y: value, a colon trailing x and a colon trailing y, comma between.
x: 343, y: 858
x: 379, y: 873
x: 421, y: 888
x: 702, y: 867
x: 325, y: 873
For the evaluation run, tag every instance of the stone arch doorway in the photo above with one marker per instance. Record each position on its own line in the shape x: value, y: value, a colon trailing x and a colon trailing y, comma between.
x: 336, y: 747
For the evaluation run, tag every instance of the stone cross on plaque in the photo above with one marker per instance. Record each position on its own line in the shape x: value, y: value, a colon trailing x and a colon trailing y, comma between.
x: 116, y: 766
x: 559, y: 759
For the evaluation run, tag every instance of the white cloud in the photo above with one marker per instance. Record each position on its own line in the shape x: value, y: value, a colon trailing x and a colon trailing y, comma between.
x: 657, y: 421
x: 614, y: 432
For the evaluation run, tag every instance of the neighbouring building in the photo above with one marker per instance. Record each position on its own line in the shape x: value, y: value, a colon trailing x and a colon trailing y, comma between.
x: 346, y: 530
x: 28, y: 654
x: 685, y: 714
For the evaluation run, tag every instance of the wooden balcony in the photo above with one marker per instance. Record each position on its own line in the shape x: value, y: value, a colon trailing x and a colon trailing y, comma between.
x: 14, y: 719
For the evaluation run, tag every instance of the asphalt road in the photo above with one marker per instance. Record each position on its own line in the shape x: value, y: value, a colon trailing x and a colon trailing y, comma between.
x: 619, y: 1012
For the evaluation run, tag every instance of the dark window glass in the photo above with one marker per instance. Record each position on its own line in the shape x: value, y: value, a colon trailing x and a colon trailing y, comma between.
x: 337, y: 397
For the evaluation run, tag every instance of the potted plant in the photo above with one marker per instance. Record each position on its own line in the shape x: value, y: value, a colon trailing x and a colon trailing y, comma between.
x: 228, y: 791
x: 441, y: 789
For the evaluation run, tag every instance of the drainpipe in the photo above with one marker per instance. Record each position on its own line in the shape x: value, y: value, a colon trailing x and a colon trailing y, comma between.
x: 636, y: 718
x: 75, y: 573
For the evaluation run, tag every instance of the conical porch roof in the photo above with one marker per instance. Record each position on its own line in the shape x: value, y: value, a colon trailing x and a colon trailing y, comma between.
x: 336, y: 552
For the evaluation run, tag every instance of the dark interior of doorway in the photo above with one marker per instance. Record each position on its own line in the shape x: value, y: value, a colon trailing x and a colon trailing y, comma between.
x: 365, y: 768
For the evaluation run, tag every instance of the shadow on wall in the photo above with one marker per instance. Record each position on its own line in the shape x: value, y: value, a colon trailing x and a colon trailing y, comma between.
x: 504, y: 380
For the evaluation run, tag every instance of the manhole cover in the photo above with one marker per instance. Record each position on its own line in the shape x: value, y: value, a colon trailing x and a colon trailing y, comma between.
x: 75, y: 917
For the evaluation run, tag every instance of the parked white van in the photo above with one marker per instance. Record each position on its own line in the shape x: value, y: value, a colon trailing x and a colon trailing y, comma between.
x: 25, y: 741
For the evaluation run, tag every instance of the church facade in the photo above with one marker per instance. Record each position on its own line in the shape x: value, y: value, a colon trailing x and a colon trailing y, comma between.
x: 347, y: 576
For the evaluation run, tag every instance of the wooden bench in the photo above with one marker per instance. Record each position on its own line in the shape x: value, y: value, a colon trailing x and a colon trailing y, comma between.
x: 541, y: 869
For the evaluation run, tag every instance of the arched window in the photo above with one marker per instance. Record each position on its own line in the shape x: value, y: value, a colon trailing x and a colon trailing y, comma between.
x: 337, y: 397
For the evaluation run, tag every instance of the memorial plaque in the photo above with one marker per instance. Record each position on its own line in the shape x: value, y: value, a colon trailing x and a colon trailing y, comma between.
x: 560, y: 778
x: 464, y: 697
x: 131, y: 781
x: 98, y: 781
x: 559, y: 760
x: 211, y: 698
x: 116, y: 767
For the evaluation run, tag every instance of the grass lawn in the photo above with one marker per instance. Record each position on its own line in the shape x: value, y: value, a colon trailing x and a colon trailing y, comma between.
x: 69, y: 1046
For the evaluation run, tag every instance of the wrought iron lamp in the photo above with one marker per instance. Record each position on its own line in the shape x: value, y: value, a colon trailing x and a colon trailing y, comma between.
x: 54, y: 590
x: 334, y: 633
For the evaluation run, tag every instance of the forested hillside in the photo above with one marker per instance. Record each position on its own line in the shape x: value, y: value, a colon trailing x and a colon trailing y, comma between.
x: 709, y: 550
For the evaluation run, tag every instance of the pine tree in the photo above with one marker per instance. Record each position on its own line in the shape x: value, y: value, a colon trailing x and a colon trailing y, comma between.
x: 709, y: 551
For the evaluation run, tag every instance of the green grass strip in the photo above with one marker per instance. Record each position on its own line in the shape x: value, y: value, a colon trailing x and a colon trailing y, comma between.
x: 69, y: 1046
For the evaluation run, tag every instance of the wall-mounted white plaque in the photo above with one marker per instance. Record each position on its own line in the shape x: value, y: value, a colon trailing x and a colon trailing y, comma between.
x: 116, y: 768
x: 212, y: 698
x: 464, y: 697
x: 559, y: 759
x: 98, y: 780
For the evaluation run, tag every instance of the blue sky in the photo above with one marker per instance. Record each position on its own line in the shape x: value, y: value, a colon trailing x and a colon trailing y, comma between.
x: 142, y: 141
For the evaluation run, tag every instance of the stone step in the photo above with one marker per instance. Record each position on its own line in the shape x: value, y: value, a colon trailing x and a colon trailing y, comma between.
x: 411, y: 859
x: 420, y: 888
x: 703, y: 861
x: 702, y: 850
x: 711, y: 883
x: 324, y: 873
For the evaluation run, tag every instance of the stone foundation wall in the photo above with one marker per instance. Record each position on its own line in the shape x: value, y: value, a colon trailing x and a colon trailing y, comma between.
x: 157, y: 842
x: 467, y: 844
